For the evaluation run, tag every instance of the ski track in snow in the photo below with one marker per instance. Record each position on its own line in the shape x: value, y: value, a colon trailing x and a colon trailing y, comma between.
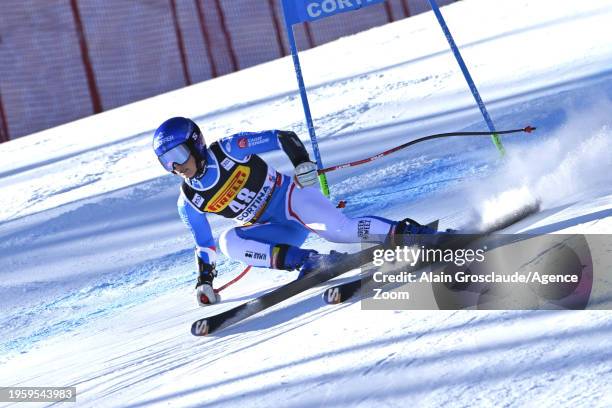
x: 97, y: 268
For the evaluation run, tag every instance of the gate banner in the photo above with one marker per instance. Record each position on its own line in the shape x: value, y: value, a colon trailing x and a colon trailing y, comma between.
x: 299, y: 11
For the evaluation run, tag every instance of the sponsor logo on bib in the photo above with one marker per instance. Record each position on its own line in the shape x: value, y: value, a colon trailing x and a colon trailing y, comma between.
x: 198, y: 200
x: 227, y: 164
x: 229, y: 190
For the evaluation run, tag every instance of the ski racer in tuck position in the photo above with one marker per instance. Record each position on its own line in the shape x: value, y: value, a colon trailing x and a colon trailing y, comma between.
x: 274, y: 212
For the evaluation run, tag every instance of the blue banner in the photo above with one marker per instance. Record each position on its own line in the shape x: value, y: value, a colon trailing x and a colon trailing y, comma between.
x: 299, y: 11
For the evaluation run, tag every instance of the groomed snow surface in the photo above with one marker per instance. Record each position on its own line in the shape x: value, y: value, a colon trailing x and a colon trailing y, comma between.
x: 97, y: 269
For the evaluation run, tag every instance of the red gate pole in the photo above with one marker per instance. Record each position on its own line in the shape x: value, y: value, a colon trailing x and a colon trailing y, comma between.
x: 214, y: 72
x: 388, y: 11
x: 226, y: 34
x: 405, y: 8
x: 277, y: 29
x: 309, y: 36
x: 89, y: 72
x: 180, y: 42
x: 4, y: 133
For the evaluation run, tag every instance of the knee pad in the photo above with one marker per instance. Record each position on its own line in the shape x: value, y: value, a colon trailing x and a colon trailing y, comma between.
x: 225, y: 238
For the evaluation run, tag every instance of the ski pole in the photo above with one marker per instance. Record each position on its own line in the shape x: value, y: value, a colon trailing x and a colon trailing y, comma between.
x: 236, y: 279
x: 527, y: 129
x: 467, y: 76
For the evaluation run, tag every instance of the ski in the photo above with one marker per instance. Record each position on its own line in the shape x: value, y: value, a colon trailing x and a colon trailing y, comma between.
x: 211, y: 324
x: 214, y: 323
x: 345, y: 291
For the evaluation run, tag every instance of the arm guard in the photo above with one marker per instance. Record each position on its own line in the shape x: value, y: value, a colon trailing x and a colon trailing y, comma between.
x: 293, y: 147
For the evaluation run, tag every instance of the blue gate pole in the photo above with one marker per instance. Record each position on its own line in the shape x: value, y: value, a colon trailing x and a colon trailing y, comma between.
x: 468, y: 77
x: 304, y: 96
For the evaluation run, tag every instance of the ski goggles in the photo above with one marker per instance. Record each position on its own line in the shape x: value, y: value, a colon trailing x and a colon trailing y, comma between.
x: 177, y: 155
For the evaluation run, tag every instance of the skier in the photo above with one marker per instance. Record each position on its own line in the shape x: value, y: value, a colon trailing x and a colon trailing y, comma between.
x: 275, y: 212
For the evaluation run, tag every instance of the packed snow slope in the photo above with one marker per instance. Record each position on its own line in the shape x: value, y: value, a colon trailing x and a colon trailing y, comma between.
x: 96, y: 268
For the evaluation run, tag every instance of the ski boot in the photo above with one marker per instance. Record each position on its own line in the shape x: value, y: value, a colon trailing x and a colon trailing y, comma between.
x: 205, y: 294
x: 408, y: 232
x: 290, y: 258
x: 316, y: 261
